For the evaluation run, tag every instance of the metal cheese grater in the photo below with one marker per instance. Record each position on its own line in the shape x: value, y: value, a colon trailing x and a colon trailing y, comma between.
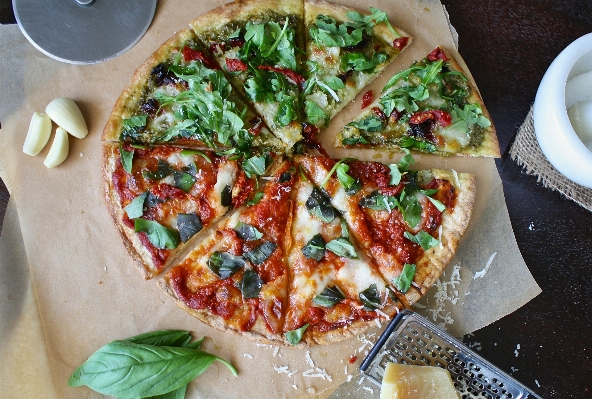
x: 411, y: 339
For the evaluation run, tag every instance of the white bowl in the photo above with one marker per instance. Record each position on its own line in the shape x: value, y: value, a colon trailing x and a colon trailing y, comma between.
x: 555, y: 134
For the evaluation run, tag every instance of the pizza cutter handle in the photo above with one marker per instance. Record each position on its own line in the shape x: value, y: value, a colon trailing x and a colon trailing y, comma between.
x: 85, y: 3
x: 383, y: 338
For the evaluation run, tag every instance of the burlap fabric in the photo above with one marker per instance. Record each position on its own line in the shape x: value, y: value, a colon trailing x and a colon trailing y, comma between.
x: 527, y: 153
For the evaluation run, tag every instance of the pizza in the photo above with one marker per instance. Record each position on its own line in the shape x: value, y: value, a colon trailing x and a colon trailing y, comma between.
x: 430, y: 107
x: 220, y: 190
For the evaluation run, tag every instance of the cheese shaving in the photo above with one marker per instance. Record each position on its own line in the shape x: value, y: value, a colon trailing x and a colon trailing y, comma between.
x: 441, y: 296
x: 309, y: 359
x: 248, y: 355
x: 487, y: 266
x: 382, y: 314
x: 317, y: 373
x: 455, y: 178
x: 275, y: 351
x: 368, y: 389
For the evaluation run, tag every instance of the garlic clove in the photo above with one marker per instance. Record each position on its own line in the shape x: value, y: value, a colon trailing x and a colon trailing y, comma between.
x: 66, y: 114
x: 38, y: 134
x: 59, y: 149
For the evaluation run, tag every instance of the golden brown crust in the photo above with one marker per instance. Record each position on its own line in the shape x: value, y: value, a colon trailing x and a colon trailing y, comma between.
x: 135, y: 89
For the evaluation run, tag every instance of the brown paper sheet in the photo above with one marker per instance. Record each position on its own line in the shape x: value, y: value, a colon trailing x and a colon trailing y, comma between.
x: 87, y: 292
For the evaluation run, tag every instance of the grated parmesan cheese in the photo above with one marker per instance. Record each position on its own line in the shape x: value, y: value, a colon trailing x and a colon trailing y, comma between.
x: 487, y: 266
x: 368, y: 389
x: 248, y: 355
x: 455, y: 178
x: 275, y: 351
x: 309, y: 359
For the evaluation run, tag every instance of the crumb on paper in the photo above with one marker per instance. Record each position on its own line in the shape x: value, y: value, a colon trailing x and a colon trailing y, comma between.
x: 294, y: 386
x: 310, y: 391
x: 349, y: 378
x: 275, y: 351
x: 486, y: 269
x: 514, y: 369
x: 248, y: 355
x: 81, y: 155
x: 368, y: 389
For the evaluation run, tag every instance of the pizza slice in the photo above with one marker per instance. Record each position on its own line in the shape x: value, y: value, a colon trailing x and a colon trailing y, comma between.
x: 181, y: 96
x: 259, y: 43
x: 431, y: 107
x: 346, y: 51
x: 161, y: 197
x: 236, y: 278
x: 410, y: 222
x: 336, y: 291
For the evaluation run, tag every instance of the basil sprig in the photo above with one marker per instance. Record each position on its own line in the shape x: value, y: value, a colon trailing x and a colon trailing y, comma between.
x: 135, y: 209
x: 370, y: 297
x: 330, y: 297
x: 126, y: 158
x: 423, y: 239
x: 295, y: 336
x: 188, y: 224
x: 160, y: 236
x: 403, y: 282
x: 319, y: 204
x: 342, y: 247
x: 251, y: 284
x: 260, y: 254
x: 147, y: 365
x: 247, y: 232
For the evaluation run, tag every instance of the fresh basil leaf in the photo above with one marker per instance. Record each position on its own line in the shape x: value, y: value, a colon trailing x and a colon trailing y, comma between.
x: 126, y: 158
x: 260, y: 254
x: 247, y: 232
x: 126, y: 369
x: 411, y: 209
x: 295, y: 336
x: 315, y: 248
x: 162, y: 338
x: 342, y: 247
x: 183, y: 180
x: 330, y: 297
x: 440, y: 206
x: 251, y: 284
x: 422, y: 238
x: 395, y: 175
x: 344, y: 228
x: 226, y: 196
x: 176, y: 394
x: 314, y: 113
x: 135, y: 209
x: 285, y: 177
x: 403, y: 282
x: 162, y: 171
x: 379, y: 202
x: 256, y: 198
x: 255, y: 165
x: 188, y: 224
x: 160, y: 236
x: 224, y: 264
x: 152, y: 200
x: 319, y: 205
x: 370, y: 298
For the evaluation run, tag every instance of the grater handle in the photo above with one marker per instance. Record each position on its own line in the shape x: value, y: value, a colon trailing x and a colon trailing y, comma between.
x: 382, y: 340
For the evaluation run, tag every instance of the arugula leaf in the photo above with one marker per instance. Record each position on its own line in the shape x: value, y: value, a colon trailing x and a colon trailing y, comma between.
x: 379, y: 202
x: 160, y: 236
x: 224, y: 264
x: 162, y: 171
x: 362, y: 63
x: 185, y: 153
x: 319, y: 204
x: 406, y: 161
x: 127, y: 369
x: 327, y: 32
x: 260, y: 254
x: 126, y: 158
x: 188, y: 224
x: 314, y: 113
x: 286, y: 112
x: 295, y: 336
x: 396, y: 171
x: 247, y: 232
x: 354, y: 140
x: 135, y: 209
x: 330, y: 297
x: 403, y: 282
x: 256, y: 198
x: 342, y: 247
x: 371, y: 123
x: 256, y: 165
x: 335, y: 83
x: 315, y: 248
x: 370, y: 297
x: 423, y: 239
x: 410, y: 142
x: 131, y: 126
x: 350, y: 184
x: 251, y: 284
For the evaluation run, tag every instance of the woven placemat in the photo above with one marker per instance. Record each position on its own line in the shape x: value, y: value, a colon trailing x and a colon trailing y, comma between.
x: 527, y: 153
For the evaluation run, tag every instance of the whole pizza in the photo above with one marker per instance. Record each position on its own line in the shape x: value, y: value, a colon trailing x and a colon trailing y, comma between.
x: 220, y: 190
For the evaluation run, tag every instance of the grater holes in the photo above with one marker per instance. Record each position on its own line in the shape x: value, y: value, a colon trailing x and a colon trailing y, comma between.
x: 454, y: 368
x: 411, y: 356
x: 421, y: 342
x: 478, y: 385
x: 436, y: 346
x: 407, y: 338
x: 473, y: 366
x: 426, y: 335
x: 492, y: 389
x: 416, y: 349
x: 401, y: 345
x: 425, y: 360
x: 412, y: 330
x: 460, y: 362
x: 450, y: 352
x: 430, y: 352
x: 396, y: 353
x: 445, y: 357
x: 472, y: 391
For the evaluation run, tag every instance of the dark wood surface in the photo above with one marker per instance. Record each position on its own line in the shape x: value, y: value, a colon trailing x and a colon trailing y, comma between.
x: 508, y: 46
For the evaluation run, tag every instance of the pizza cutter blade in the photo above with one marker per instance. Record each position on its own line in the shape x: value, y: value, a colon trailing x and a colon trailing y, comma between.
x: 83, y: 31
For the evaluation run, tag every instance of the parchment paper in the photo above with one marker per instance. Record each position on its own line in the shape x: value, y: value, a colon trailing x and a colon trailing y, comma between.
x: 83, y: 290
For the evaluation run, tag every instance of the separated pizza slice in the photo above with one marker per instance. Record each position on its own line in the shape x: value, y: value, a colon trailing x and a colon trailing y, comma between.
x: 236, y: 279
x: 410, y: 222
x: 260, y: 44
x: 161, y: 197
x: 346, y: 50
x: 181, y: 96
x: 430, y: 107
x: 336, y: 291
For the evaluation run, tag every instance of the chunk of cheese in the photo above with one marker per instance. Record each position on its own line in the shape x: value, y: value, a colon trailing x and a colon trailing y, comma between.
x: 403, y: 381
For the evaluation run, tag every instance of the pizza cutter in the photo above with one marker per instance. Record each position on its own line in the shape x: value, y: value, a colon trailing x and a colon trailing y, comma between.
x: 83, y: 31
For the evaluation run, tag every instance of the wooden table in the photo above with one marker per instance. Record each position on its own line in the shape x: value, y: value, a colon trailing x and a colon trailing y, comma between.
x: 508, y: 46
